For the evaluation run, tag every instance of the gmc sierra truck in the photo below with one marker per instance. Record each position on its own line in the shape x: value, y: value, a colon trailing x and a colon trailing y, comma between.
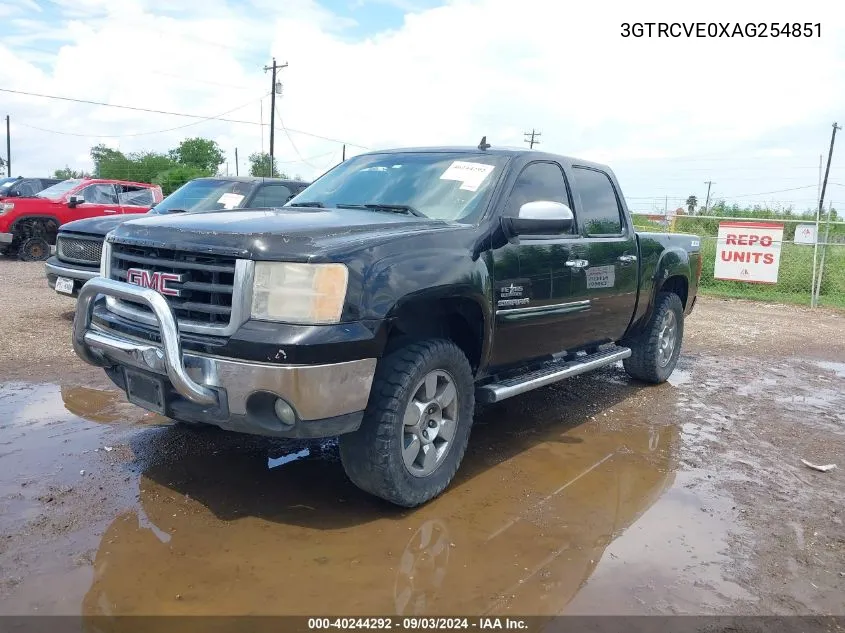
x: 385, y: 300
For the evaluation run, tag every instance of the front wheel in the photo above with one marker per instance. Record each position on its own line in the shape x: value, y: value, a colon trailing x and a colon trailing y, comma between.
x: 655, y: 351
x: 34, y: 249
x: 417, y: 424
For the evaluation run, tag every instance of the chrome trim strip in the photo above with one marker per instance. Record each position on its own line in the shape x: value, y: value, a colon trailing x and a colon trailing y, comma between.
x: 550, y: 308
x: 496, y: 393
x: 171, y: 355
x: 73, y: 273
x: 241, y: 305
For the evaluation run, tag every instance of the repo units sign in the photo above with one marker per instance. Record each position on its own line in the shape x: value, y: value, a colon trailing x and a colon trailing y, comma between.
x: 748, y: 251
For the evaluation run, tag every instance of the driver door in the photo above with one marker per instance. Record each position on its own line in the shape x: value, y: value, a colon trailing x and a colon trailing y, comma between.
x: 536, y: 313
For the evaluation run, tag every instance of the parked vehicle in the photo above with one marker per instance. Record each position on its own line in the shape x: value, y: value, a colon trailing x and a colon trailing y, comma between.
x: 19, y: 187
x: 385, y: 300
x: 79, y: 243
x: 28, y: 226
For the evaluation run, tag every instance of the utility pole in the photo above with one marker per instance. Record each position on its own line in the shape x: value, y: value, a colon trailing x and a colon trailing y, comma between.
x: 344, y: 152
x: 530, y: 138
x: 275, y: 87
x: 815, y: 292
x: 707, y: 201
x: 8, y: 149
x: 236, y: 162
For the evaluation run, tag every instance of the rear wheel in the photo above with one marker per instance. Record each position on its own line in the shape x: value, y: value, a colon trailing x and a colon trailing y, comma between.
x: 655, y: 351
x: 416, y: 426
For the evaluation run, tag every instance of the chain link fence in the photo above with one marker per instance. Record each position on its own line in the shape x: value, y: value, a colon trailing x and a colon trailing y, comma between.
x: 802, y: 266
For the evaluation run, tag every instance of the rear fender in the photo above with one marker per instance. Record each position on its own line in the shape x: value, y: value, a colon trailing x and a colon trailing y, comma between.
x: 673, y: 262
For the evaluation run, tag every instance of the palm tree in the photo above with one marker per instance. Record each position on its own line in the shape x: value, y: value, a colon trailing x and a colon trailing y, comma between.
x: 692, y: 203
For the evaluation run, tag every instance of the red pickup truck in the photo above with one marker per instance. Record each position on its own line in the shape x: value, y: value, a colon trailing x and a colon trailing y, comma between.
x: 28, y: 225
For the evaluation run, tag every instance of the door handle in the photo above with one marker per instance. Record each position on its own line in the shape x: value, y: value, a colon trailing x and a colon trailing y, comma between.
x: 109, y: 211
x: 577, y: 263
x: 627, y: 259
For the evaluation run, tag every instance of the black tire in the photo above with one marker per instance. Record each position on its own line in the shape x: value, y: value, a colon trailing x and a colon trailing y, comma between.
x: 372, y: 455
x: 34, y: 249
x: 644, y: 363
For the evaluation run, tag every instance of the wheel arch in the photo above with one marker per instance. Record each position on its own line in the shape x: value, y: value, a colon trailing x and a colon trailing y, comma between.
x: 51, y: 224
x: 462, y: 319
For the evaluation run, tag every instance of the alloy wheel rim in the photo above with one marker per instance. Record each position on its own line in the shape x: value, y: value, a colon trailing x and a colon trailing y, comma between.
x: 667, y: 339
x: 429, y: 423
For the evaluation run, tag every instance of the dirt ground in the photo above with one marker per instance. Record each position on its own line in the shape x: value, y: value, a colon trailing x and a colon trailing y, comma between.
x: 597, y: 495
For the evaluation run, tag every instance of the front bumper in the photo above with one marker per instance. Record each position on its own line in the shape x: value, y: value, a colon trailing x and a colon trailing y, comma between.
x: 54, y: 269
x: 6, y: 238
x: 328, y: 399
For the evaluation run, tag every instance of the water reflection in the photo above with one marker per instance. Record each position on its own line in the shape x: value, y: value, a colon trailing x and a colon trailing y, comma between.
x: 538, y: 501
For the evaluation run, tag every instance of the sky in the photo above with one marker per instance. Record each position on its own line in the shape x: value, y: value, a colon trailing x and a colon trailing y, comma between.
x: 751, y: 115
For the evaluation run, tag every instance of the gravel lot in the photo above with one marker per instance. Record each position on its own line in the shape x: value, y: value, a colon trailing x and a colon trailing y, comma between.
x: 596, y: 495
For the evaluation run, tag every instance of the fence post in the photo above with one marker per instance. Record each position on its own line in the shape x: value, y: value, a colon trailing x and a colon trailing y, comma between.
x: 818, y: 288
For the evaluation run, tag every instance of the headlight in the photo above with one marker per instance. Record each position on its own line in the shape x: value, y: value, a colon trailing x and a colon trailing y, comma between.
x: 6, y: 206
x: 299, y: 293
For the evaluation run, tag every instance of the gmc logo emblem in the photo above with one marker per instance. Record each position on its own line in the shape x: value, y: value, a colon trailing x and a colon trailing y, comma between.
x: 155, y: 280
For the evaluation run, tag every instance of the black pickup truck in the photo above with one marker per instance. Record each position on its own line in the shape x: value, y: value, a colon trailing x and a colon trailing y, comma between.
x: 385, y: 300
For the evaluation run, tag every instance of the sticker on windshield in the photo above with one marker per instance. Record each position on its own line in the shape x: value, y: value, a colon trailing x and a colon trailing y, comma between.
x: 230, y: 200
x: 470, y: 175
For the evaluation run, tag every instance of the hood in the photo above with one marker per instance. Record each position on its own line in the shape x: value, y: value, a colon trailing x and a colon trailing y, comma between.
x: 21, y: 202
x: 99, y: 225
x: 290, y: 233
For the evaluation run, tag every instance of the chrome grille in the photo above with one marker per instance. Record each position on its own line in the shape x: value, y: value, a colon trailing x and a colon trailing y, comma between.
x: 206, y: 288
x: 79, y: 250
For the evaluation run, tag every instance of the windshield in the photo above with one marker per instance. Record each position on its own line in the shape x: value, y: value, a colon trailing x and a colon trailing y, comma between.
x: 58, y: 190
x: 5, y: 183
x: 206, y: 194
x: 447, y: 186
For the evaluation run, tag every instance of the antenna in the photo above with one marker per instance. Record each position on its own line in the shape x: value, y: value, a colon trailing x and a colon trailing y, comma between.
x: 483, y: 145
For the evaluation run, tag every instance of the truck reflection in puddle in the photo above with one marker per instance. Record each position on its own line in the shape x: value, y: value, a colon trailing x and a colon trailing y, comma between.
x: 106, y: 406
x: 217, y: 532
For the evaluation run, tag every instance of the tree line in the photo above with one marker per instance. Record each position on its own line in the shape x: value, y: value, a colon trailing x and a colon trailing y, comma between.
x: 192, y: 158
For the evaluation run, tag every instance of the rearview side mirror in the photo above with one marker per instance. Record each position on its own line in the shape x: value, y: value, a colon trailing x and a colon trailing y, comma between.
x: 75, y: 200
x: 541, y: 217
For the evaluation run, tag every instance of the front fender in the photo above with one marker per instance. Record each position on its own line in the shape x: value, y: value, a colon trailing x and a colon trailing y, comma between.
x: 432, y: 274
x: 424, y: 284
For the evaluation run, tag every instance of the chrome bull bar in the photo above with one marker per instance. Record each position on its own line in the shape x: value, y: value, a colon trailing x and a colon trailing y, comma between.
x: 168, y: 357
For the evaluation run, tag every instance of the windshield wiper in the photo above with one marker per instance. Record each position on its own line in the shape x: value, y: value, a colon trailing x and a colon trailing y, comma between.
x: 394, y: 208
x: 315, y: 203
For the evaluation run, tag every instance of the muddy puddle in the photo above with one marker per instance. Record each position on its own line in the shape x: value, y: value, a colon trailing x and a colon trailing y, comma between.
x: 577, y: 498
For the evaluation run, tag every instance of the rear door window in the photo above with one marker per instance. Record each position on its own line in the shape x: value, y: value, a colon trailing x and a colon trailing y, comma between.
x: 131, y: 196
x: 601, y: 211
x: 271, y: 196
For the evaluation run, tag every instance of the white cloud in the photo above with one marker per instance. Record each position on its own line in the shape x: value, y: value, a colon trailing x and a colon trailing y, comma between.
x: 450, y: 75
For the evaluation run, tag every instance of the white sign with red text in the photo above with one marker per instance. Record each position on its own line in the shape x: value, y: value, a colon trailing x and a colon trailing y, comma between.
x: 748, y: 251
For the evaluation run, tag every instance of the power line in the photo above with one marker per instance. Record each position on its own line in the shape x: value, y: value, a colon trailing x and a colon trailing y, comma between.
x: 178, y: 127
x: 149, y: 70
x: 293, y: 145
x: 765, y: 193
x: 181, y: 114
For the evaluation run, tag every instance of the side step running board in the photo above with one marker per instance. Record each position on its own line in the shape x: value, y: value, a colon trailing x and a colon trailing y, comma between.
x: 551, y: 373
